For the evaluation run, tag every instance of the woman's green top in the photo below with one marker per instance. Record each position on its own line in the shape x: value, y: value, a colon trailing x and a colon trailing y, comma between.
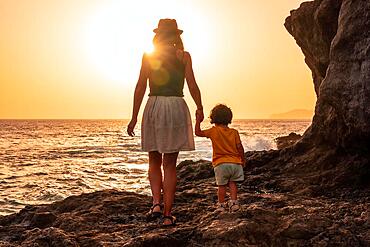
x: 167, y: 74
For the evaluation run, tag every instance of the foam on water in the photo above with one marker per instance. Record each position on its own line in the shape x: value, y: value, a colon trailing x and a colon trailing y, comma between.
x: 258, y: 143
x: 42, y: 161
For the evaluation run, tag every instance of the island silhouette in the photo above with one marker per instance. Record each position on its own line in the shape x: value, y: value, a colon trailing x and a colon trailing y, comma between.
x: 293, y: 114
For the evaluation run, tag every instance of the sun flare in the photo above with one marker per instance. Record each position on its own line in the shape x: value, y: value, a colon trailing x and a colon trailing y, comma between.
x: 119, y: 33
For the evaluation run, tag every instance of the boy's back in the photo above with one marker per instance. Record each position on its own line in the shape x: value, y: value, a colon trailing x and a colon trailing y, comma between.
x: 224, y: 143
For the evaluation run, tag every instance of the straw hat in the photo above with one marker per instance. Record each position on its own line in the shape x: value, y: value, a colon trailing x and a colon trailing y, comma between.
x: 167, y: 26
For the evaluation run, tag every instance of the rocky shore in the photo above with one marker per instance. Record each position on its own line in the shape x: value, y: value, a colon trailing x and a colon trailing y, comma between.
x: 270, y: 216
x: 314, y: 192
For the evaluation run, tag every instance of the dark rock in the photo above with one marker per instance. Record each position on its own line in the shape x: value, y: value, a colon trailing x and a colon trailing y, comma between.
x: 200, y: 171
x: 298, y: 231
x: 49, y: 237
x: 334, y: 37
x: 267, y: 217
x: 334, y: 152
x: 42, y: 219
x: 287, y: 141
x: 6, y: 244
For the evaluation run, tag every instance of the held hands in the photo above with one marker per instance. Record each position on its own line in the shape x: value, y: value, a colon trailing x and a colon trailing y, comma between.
x: 199, y: 116
x: 131, y: 127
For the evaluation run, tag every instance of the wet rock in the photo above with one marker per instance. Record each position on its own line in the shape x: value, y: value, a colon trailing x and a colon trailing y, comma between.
x: 48, y: 237
x: 6, y: 244
x: 298, y: 231
x: 266, y: 218
x: 42, y: 219
x: 202, y: 169
x: 286, y: 141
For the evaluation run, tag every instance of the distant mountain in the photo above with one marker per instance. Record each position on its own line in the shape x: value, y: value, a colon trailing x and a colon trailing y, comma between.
x: 294, y: 114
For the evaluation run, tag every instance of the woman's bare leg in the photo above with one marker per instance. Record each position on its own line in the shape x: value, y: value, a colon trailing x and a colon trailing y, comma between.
x: 155, y: 177
x: 169, y: 182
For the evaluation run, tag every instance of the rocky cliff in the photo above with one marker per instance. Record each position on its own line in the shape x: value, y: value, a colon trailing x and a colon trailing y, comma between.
x: 334, y: 36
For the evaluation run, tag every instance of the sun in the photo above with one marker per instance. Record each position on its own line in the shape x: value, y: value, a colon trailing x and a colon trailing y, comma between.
x: 115, y: 41
x: 118, y: 33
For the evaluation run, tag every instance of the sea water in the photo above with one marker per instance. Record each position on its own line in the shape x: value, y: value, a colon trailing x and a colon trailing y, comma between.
x: 42, y: 161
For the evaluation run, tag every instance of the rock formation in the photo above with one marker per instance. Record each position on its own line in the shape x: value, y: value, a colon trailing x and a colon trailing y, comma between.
x: 287, y: 141
x: 334, y: 36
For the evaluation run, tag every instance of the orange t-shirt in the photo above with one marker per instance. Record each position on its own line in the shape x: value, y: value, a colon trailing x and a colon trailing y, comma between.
x: 224, y: 141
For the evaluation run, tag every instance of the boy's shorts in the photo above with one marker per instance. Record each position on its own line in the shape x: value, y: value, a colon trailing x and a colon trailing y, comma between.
x: 226, y: 172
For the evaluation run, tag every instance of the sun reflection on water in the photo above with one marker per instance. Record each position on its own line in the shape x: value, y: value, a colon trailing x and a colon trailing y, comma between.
x: 48, y: 160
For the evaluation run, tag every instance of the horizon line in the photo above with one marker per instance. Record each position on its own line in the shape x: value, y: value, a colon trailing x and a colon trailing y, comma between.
x: 138, y: 120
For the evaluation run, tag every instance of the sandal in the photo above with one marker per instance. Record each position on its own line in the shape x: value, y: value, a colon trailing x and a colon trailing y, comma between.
x: 220, y: 207
x: 171, y: 218
x: 154, y: 215
x: 234, y: 206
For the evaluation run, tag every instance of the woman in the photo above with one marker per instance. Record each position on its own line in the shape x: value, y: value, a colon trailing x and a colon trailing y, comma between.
x: 166, y: 125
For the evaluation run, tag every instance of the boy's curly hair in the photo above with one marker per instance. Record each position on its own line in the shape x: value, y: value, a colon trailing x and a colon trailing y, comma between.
x: 221, y: 114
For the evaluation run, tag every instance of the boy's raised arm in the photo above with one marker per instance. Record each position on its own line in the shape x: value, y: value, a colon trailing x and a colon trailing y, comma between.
x: 198, y: 130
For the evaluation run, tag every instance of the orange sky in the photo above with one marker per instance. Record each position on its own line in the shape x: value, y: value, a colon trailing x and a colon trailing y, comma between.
x: 80, y: 59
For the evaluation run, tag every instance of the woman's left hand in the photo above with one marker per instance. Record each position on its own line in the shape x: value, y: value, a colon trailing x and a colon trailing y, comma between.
x: 131, y: 127
x: 199, y: 115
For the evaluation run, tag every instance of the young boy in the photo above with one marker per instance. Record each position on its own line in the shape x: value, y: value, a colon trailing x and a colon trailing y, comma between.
x: 228, y: 154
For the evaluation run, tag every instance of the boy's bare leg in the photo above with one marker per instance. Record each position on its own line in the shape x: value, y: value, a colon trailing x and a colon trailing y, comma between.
x: 233, y: 190
x: 169, y: 182
x: 155, y: 177
x: 221, y: 193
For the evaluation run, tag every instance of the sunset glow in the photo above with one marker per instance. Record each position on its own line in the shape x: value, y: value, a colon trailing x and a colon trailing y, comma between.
x: 81, y: 59
x: 117, y: 33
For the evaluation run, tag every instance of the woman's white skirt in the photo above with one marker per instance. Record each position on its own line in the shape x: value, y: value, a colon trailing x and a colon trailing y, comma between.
x: 166, y: 126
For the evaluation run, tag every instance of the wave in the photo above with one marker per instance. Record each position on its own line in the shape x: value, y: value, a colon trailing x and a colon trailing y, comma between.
x: 258, y: 143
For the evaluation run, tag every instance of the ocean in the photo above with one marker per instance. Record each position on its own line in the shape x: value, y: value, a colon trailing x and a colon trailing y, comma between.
x: 42, y: 161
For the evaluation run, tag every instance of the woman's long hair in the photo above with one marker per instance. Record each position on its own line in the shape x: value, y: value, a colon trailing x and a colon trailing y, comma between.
x: 167, y: 39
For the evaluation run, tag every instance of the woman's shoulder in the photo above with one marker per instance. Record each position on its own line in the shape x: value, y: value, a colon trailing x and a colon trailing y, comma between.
x: 148, y: 55
x: 183, y: 55
x: 186, y: 54
x: 145, y: 56
x: 146, y: 59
